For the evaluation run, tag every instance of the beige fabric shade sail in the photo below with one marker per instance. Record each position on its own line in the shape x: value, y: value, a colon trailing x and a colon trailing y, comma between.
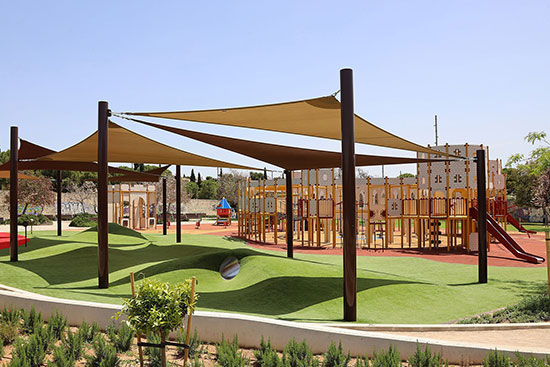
x: 126, y: 146
x: 290, y: 158
x: 319, y: 117
x: 20, y: 176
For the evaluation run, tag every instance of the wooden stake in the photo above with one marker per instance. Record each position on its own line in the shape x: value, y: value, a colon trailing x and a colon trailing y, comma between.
x: 548, y: 257
x: 163, y: 350
x: 138, y: 337
x: 188, y: 331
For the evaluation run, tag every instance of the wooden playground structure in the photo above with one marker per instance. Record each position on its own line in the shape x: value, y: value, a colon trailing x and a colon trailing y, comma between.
x: 132, y: 205
x: 427, y: 211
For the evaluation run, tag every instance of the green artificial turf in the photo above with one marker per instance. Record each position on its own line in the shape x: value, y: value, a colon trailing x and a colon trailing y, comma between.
x: 307, y: 288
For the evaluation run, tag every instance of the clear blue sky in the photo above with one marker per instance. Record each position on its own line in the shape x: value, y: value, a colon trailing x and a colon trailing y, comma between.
x: 481, y: 66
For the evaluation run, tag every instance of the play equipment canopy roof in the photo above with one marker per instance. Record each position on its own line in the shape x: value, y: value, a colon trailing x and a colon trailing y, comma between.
x: 319, y: 117
x: 283, y: 156
x: 20, y: 176
x: 127, y: 146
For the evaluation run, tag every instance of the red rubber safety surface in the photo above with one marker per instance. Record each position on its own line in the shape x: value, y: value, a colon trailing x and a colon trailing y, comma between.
x: 498, y: 255
x: 5, y: 240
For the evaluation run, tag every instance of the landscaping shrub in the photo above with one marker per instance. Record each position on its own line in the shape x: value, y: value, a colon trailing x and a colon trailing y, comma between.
x: 335, y: 357
x: 87, y: 332
x: 32, y: 352
x: 104, y: 355
x: 362, y: 361
x: 531, y: 361
x: 387, y: 358
x: 1, y: 349
x: 153, y: 354
x: 228, y: 354
x: 496, y: 359
x: 267, y: 356
x: 298, y: 355
x: 424, y: 358
x: 10, y: 315
x: 120, y: 338
x: 57, y: 325
x: 83, y: 220
x: 28, y: 219
x: 61, y: 358
x: 31, y: 320
x: 8, y: 332
x: 72, y: 345
x: 195, y: 344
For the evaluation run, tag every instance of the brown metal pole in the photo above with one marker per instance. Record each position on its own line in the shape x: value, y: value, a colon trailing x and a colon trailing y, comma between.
x: 59, y: 227
x: 178, y: 203
x: 102, y: 182
x: 164, y: 208
x: 14, y: 160
x: 289, y: 218
x: 348, y: 188
x: 481, y: 216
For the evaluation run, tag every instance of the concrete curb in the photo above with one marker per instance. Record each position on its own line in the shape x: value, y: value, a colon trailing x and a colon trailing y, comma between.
x: 212, y: 326
x: 440, y: 327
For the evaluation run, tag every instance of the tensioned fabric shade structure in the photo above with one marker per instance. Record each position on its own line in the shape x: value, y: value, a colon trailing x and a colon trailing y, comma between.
x: 319, y: 117
x: 153, y: 175
x: 20, y: 176
x: 290, y: 158
x: 130, y: 147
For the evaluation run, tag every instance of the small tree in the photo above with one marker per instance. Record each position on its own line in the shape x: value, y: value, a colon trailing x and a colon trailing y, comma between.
x: 542, y: 200
x: 229, y: 187
x: 208, y: 190
x: 171, y: 193
x: 34, y: 192
x: 84, y: 194
x: 192, y: 189
x: 158, y: 308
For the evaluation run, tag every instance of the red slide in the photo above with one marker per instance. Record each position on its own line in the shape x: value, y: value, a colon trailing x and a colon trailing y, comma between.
x: 518, y: 225
x: 5, y: 240
x: 506, y: 240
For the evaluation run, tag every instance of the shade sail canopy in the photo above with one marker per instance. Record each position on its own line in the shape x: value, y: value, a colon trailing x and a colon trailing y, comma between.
x: 283, y: 156
x: 319, y: 117
x: 153, y: 175
x: 28, y: 150
x: 20, y: 176
x: 129, y: 147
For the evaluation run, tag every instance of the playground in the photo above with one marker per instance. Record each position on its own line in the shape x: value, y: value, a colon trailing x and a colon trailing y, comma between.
x: 393, y: 287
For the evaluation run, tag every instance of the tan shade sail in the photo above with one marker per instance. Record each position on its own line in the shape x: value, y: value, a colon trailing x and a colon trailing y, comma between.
x: 283, y: 156
x: 28, y: 150
x: 153, y: 175
x: 20, y: 176
x: 60, y: 166
x: 127, y: 146
x: 319, y: 117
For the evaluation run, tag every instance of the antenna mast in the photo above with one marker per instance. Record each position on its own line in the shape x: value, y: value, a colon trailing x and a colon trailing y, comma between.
x: 436, y: 137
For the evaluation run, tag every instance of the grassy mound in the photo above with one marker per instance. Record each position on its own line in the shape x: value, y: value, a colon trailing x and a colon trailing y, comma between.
x: 308, y: 287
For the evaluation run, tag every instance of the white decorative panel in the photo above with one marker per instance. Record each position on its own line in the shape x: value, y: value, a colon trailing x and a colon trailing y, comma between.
x: 395, y: 193
x: 394, y: 207
x: 409, y: 181
x: 338, y: 181
x: 377, y: 217
x: 325, y: 177
x: 500, y: 182
x: 394, y: 181
x: 493, y: 166
x: 474, y: 241
x: 269, y: 182
x: 377, y: 197
x: 438, y: 177
x: 312, y: 207
x: 457, y: 180
x: 377, y: 181
x: 296, y: 181
x: 270, y: 205
x: 254, y: 183
x: 423, y: 176
x: 459, y: 150
x: 360, y: 182
x: 296, y: 174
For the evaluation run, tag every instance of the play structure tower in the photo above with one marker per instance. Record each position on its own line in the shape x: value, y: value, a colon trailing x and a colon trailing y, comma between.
x: 132, y: 205
x: 431, y: 210
x: 223, y: 213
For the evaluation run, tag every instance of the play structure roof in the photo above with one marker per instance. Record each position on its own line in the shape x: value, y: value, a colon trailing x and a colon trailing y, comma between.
x: 127, y: 146
x: 223, y: 204
x: 283, y: 156
x: 20, y: 176
x: 319, y: 117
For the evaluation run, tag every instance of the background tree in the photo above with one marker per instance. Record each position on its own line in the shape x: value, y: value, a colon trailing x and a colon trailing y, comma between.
x: 171, y: 193
x: 199, y: 179
x: 256, y: 176
x: 541, y: 197
x: 34, y: 192
x: 192, y: 189
x: 192, y: 177
x: 229, y: 186
x: 520, y: 185
x: 86, y: 193
x: 538, y: 160
x: 361, y: 173
x: 208, y: 190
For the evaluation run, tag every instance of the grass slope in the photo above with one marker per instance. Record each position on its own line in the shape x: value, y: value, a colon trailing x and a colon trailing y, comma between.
x: 309, y: 287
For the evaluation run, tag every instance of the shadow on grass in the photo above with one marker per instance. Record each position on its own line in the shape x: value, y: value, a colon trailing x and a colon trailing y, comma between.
x: 81, y: 264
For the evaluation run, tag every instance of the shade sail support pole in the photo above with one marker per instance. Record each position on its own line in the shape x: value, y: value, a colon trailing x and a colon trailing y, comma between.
x: 289, y: 218
x: 178, y: 203
x: 164, y: 208
x: 481, y: 216
x: 102, y: 182
x: 348, y: 188
x: 14, y: 160
x: 59, y: 223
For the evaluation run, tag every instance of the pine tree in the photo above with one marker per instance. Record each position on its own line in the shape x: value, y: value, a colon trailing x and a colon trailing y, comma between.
x: 265, y: 173
x: 192, y: 177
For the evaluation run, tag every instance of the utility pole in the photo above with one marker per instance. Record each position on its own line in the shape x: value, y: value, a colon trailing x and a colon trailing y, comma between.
x: 436, y: 137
